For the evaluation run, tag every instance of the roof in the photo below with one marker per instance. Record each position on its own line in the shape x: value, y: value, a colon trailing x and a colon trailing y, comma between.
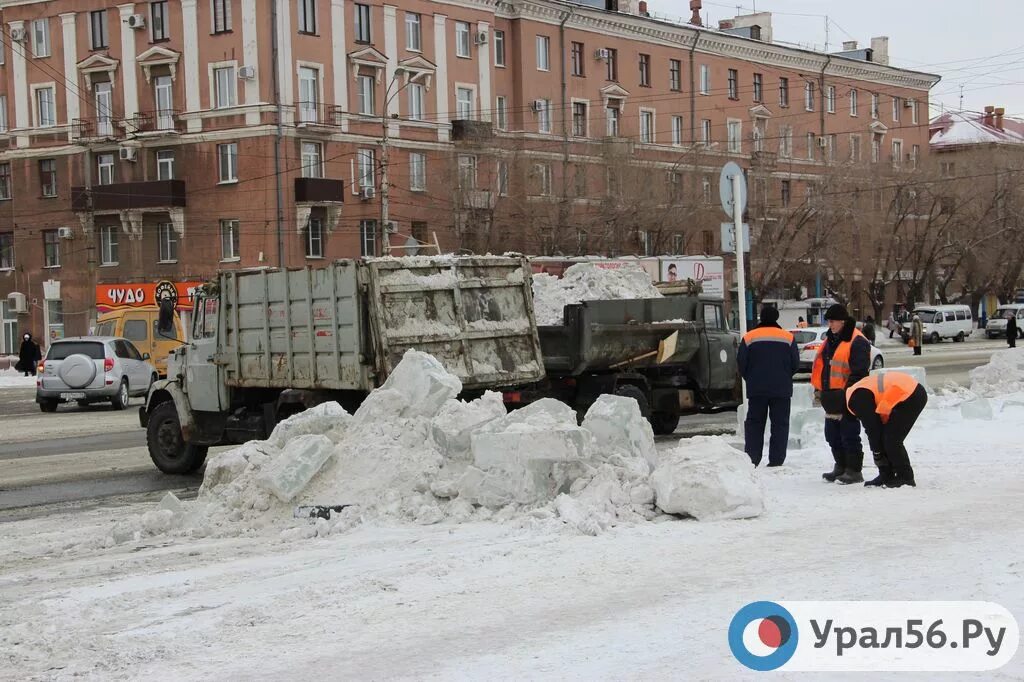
x: 958, y: 128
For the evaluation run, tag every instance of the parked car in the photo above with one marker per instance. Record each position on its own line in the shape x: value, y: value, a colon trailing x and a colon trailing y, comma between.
x: 91, y: 369
x: 997, y: 323
x: 139, y: 325
x: 809, y: 340
x: 941, y: 322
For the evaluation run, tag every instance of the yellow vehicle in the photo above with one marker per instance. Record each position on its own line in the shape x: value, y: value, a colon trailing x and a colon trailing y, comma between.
x: 139, y: 325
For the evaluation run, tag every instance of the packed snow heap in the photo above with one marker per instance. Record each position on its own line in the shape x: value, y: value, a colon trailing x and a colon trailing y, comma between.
x: 587, y: 282
x: 413, y: 452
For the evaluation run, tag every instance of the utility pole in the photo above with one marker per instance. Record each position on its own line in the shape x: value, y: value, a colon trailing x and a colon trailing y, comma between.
x: 280, y: 133
x: 385, y: 157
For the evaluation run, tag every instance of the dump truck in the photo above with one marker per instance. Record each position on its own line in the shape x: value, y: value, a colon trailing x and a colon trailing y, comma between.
x: 611, y: 347
x: 265, y: 344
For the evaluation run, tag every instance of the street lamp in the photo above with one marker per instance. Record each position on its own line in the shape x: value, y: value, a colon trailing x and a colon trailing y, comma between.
x: 385, y: 185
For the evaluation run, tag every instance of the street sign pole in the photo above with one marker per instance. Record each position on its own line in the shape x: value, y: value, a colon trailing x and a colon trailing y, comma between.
x: 741, y: 277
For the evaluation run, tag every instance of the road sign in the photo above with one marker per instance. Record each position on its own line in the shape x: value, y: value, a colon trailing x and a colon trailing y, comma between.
x: 725, y: 188
x: 729, y: 238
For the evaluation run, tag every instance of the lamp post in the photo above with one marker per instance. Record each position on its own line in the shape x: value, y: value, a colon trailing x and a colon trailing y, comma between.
x: 385, y: 185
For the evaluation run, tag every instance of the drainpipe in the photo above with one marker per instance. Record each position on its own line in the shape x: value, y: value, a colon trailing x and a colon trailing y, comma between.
x: 563, y: 211
x: 274, y: 48
x: 693, y: 89
x: 821, y: 91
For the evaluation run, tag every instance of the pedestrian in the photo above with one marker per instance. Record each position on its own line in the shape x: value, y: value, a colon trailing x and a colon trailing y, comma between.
x: 869, y: 329
x: 1011, y: 329
x: 888, y: 405
x: 768, y: 358
x: 800, y: 323
x: 28, y: 355
x: 843, y: 360
x: 891, y: 324
x: 916, y: 334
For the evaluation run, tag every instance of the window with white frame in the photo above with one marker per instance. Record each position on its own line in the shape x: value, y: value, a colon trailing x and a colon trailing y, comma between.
x: 915, y: 155
x: 812, y: 143
x: 499, y: 48
x: 367, y: 238
x: 48, y: 177
x: 830, y: 99
x: 225, y: 87
x: 897, y: 104
x: 7, y: 263
x: 874, y: 106
x: 758, y: 87
x: 734, y: 131
x: 227, y: 161
x: 876, y: 148
x: 51, y: 249
x: 165, y: 164
x: 362, y: 23
x: 462, y: 39
x: 163, y: 92
x: 830, y: 147
x: 853, y: 102
x: 783, y: 92
x: 543, y: 53
x: 366, y: 160
x: 417, y: 99
x: 46, y: 107
x: 502, y: 112
x: 159, y: 21
x: 542, y: 171
x: 309, y: 94
x: 3, y: 113
x: 315, y: 238
x: 98, y: 29
x: 413, y: 32
x: 675, y: 75
x: 167, y: 243
x: 705, y: 79
x: 897, y: 153
x: 786, y: 141
x: 543, y: 115
x: 705, y: 131
x: 230, y: 240
x: 913, y: 111
x: 5, y: 181
x: 855, y: 155
x: 417, y: 172
x: 647, y: 127
x: 733, y: 84
x: 502, y: 171
x: 104, y: 97
x: 809, y: 95
x: 108, y: 245
x: 312, y: 160
x: 366, y: 95
x: 41, y: 37
x: 467, y: 171
x: 757, y: 137
x: 613, y: 115
x: 677, y: 130
x: 221, y: 15
x: 463, y: 103
x: 105, y: 169
x: 579, y: 119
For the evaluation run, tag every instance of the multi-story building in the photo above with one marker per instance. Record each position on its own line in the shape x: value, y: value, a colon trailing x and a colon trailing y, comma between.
x: 162, y: 140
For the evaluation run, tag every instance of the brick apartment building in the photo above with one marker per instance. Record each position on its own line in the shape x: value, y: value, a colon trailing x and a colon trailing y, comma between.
x: 154, y: 141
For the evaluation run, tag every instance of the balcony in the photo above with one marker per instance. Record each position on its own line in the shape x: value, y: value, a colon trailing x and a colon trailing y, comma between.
x: 319, y: 191
x: 316, y: 114
x: 162, y: 121
x: 128, y: 196
x: 95, y: 129
x: 465, y: 130
x: 482, y: 199
x: 764, y: 160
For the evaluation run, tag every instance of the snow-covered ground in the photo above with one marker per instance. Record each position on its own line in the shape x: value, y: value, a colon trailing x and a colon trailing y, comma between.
x: 522, y: 595
x: 11, y: 379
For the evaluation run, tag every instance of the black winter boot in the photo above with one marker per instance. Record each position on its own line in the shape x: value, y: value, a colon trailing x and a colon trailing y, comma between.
x: 850, y: 476
x: 837, y: 470
x: 903, y: 476
x: 885, y: 478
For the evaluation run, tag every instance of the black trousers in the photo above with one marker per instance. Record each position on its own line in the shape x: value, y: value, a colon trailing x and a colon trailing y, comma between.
x: 758, y: 412
x: 896, y: 430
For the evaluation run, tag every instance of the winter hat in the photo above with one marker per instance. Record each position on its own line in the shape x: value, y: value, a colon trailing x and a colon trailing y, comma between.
x: 837, y: 311
x: 769, y: 314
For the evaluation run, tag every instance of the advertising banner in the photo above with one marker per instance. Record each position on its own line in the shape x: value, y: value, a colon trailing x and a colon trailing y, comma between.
x: 111, y: 297
x: 710, y: 271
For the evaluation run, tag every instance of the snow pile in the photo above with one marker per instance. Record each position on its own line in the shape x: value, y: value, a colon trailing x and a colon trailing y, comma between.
x: 587, y: 282
x: 1004, y: 374
x: 707, y: 479
x: 12, y: 379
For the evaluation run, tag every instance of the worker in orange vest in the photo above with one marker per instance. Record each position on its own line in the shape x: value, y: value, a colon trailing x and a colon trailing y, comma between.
x: 888, y: 404
x: 843, y: 359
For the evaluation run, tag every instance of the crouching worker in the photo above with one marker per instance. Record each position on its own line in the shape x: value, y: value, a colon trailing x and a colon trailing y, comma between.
x: 888, y: 405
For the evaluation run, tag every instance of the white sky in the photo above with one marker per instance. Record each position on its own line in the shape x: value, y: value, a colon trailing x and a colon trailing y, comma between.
x: 975, y: 44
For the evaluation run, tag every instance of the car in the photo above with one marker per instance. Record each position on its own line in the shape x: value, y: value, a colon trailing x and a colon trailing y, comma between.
x: 941, y: 322
x: 997, y: 323
x: 91, y: 369
x: 809, y: 340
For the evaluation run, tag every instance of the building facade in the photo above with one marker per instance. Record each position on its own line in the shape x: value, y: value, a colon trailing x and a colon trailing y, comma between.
x: 154, y: 141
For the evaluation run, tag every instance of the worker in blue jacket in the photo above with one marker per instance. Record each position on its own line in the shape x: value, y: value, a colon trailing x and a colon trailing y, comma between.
x: 768, y: 358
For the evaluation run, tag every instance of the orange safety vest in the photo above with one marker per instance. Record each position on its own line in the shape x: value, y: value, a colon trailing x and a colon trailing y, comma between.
x: 890, y: 389
x: 839, y: 366
x: 767, y: 334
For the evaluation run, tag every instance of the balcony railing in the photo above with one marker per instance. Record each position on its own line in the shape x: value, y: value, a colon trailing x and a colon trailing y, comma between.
x: 102, y: 128
x: 124, y: 196
x: 319, y: 190
x: 159, y: 121
x: 318, y: 114
x: 466, y: 130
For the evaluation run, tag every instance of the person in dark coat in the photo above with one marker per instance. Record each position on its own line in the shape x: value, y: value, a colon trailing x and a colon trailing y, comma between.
x: 28, y: 355
x: 1011, y: 329
x: 869, y: 329
x: 768, y: 358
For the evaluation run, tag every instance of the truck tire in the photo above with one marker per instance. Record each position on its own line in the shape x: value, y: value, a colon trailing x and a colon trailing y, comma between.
x: 168, y: 450
x: 637, y: 394
x: 663, y: 423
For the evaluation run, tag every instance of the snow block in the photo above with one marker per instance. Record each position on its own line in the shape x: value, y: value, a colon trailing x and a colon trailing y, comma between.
x: 457, y: 420
x: 618, y: 426
x: 424, y: 382
x: 805, y: 425
x: 1003, y: 375
x: 707, y: 479
x: 979, y: 408
x: 803, y: 397
x: 501, y: 450
x: 546, y: 413
x: 381, y: 405
x: 289, y: 473
x: 227, y: 466
x: 919, y: 373
x: 317, y: 419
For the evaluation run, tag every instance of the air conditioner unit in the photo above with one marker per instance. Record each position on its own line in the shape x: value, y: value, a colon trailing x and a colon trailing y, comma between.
x: 908, y: 103
x: 603, y: 53
x: 246, y: 73
x: 136, y: 21
x: 17, y: 303
x: 129, y: 154
x: 823, y: 142
x: 391, y: 227
x: 481, y: 38
x: 18, y: 35
x: 367, y: 193
x: 65, y: 233
x: 539, y: 104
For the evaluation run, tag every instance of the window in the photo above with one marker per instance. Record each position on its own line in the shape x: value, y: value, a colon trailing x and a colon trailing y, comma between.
x: 229, y: 238
x: 874, y: 106
x: 543, y: 115
x: 309, y: 94
x: 579, y: 119
x: 165, y: 164
x: 678, y: 243
x: 675, y: 186
x: 221, y: 12
x: 6, y: 252
x: 613, y: 114
x: 786, y: 141
x: 708, y: 239
x: 48, y: 177
x: 915, y: 155
x: 105, y: 169
x: 809, y: 96
x: 227, y: 161
x: 645, y: 70
x: 705, y: 79
x: 897, y: 153
x: 499, y: 48
x: 417, y: 172
x: 758, y: 138
x: 647, y: 127
x: 502, y: 178
x: 41, y: 37
x: 464, y: 103
x: 5, y: 180
x: 467, y: 171
x: 705, y: 189
x: 576, y: 53
x: 3, y: 109
x: 312, y: 160
x: 502, y: 107
x: 675, y: 75
x: 613, y: 65
x: 580, y: 180
x: 413, y: 32
x: 542, y: 171
x: 853, y: 102
x: 543, y: 53
x: 167, y: 243
x: 367, y: 238
x: 705, y: 131
x: 734, y: 129
x: 108, y: 245
x: 366, y: 95
x: 677, y: 130
x: 876, y: 148
x: 897, y: 104
x: 913, y: 111
x: 104, y: 96
x: 855, y: 148
x: 98, y: 29
x: 644, y: 239
x: 417, y: 98
x: 158, y: 21
x: 830, y: 147
x: 830, y: 99
x: 225, y: 87
x: 611, y: 182
x: 164, y: 96
x: 367, y: 167
x: 948, y: 169
x: 783, y: 92
x: 461, y: 39
x: 51, y: 249
x: 811, y: 144
x: 315, y: 238
x: 734, y: 85
x: 362, y: 23
x: 46, y: 107
x: 787, y: 192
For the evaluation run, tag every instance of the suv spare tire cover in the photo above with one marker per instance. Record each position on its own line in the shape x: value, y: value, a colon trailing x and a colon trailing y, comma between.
x: 77, y: 371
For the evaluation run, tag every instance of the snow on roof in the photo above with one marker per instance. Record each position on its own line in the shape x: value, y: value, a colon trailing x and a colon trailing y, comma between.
x: 957, y: 128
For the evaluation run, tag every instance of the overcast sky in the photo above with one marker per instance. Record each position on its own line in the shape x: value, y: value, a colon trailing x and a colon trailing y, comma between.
x: 976, y: 44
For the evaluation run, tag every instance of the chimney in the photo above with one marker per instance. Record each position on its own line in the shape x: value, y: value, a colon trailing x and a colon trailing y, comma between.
x: 849, y: 45
x: 988, y: 119
x: 880, y: 50
x: 1000, y: 111
x: 695, y: 8
x: 643, y: 8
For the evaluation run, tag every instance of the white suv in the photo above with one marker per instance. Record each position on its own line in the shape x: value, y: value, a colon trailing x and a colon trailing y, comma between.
x: 90, y: 369
x: 997, y: 323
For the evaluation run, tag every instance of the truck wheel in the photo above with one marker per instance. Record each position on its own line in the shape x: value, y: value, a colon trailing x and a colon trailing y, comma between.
x: 167, y: 448
x: 637, y: 394
x: 663, y: 423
